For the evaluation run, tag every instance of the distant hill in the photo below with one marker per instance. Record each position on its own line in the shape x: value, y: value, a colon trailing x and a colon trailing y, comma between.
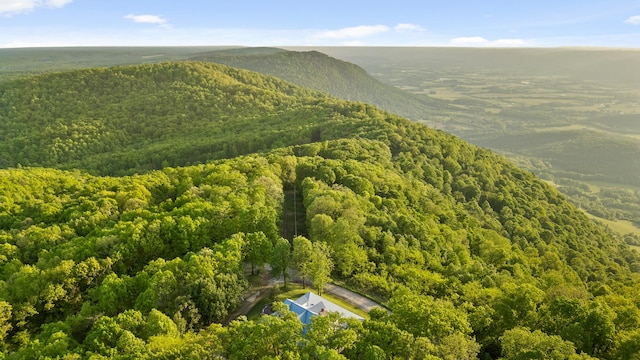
x: 123, y: 119
x: 597, y: 64
x: 19, y: 62
x: 321, y: 72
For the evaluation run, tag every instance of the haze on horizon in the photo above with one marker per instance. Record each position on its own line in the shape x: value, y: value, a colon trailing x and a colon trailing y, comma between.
x: 497, y: 23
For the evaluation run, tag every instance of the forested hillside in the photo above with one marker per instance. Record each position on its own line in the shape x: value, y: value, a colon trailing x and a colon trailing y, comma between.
x: 566, y: 114
x: 131, y: 119
x: 474, y: 257
x: 315, y: 70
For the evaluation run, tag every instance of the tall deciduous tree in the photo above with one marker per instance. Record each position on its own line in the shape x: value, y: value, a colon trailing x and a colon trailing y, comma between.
x: 257, y: 249
x: 321, y: 265
x: 301, y: 257
x: 332, y: 333
x: 268, y: 337
x: 280, y: 258
x: 5, y: 324
x: 521, y: 343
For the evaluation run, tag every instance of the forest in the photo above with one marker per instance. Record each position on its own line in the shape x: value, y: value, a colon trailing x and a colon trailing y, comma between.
x: 574, y: 126
x: 135, y: 202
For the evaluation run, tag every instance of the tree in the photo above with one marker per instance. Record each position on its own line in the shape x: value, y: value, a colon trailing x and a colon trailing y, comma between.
x: 301, y: 257
x: 627, y: 345
x: 268, y: 337
x: 599, y: 329
x: 458, y: 347
x: 321, y: 265
x: 518, y: 305
x: 384, y: 335
x: 280, y: 258
x: 426, y: 316
x: 331, y: 332
x: 257, y: 249
x: 159, y: 324
x: 521, y: 343
x: 5, y: 321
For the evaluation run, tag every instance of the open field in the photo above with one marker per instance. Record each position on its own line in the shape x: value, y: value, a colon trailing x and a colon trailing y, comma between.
x: 622, y: 227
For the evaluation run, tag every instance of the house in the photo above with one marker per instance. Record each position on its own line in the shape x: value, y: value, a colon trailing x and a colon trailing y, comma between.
x: 310, y: 305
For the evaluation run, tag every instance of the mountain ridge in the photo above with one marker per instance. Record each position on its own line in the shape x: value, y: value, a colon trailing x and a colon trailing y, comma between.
x: 318, y: 71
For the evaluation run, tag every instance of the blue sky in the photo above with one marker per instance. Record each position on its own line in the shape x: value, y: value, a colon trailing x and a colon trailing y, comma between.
x: 493, y: 23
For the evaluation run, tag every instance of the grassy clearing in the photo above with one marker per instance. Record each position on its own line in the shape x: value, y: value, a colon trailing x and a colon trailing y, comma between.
x: 440, y: 93
x: 622, y: 227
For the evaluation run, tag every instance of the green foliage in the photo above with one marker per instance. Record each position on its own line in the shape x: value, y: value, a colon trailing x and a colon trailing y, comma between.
x: 257, y: 249
x: 320, y: 265
x: 332, y: 334
x: 116, y: 120
x: 472, y: 255
x: 301, y: 257
x: 268, y: 337
x: 521, y: 343
x: 427, y: 317
x: 279, y: 259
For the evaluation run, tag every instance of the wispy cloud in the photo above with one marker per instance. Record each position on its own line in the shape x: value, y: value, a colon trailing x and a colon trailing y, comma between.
x: 508, y: 42
x: 477, y: 41
x: 408, y: 27
x: 634, y: 20
x: 469, y: 41
x: 13, y: 7
x: 147, y: 19
x: 353, y: 32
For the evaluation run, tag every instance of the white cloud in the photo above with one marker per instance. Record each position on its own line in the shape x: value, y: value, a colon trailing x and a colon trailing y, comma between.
x: 56, y: 3
x: 477, y: 41
x: 509, y: 42
x: 634, y: 20
x: 353, y: 32
x: 469, y: 41
x: 147, y: 19
x: 12, y: 7
x: 408, y: 27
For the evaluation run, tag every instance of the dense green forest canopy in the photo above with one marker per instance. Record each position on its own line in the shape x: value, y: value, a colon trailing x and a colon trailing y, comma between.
x: 131, y: 119
x: 567, y: 114
x: 474, y: 257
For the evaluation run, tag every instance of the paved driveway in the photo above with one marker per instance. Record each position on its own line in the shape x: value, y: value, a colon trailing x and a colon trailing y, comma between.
x: 352, y: 298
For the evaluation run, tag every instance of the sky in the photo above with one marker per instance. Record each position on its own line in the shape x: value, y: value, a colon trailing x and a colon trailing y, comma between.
x: 475, y: 23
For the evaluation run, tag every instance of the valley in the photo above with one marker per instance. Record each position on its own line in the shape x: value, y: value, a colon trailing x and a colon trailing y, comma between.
x: 579, y: 124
